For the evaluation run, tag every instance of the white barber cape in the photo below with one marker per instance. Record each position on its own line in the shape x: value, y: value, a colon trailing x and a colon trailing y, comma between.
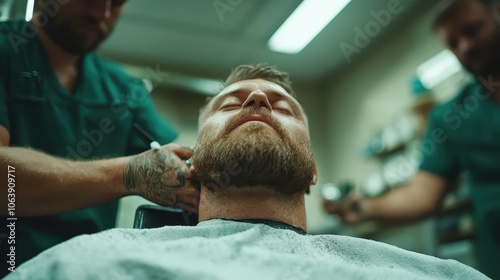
x: 225, y: 249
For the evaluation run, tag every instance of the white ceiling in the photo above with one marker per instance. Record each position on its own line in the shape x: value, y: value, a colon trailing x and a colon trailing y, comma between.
x: 191, y: 37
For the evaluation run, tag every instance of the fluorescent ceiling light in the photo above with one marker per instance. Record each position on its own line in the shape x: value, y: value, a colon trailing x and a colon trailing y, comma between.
x: 29, y: 10
x: 310, y: 17
x: 439, y: 68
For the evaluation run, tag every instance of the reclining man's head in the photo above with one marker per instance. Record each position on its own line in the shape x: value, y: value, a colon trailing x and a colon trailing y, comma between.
x: 254, y: 142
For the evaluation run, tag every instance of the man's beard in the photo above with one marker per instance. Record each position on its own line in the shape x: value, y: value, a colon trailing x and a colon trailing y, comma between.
x: 66, y: 35
x: 254, y: 157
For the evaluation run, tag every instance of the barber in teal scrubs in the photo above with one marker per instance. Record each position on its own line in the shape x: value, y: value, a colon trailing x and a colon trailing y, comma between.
x: 66, y: 132
x: 463, y: 136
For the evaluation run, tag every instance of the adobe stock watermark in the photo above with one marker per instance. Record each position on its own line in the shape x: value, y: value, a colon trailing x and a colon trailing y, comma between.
x: 93, y: 138
x: 120, y: 109
x: 363, y: 36
x: 223, y: 6
x: 49, y: 8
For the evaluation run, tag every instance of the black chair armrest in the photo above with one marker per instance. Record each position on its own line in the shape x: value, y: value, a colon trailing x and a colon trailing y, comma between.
x: 153, y: 216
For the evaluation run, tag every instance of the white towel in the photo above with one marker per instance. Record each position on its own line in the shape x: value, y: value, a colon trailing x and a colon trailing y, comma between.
x: 222, y: 249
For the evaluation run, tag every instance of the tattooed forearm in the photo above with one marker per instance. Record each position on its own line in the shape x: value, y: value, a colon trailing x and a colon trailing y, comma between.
x: 154, y: 174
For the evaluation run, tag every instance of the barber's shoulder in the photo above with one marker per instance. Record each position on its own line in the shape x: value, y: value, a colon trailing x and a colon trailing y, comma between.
x: 14, y: 35
x: 10, y: 26
x: 18, y: 27
x: 6, y: 30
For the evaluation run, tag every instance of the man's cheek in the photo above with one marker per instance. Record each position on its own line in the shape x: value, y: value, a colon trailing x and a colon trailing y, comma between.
x: 209, y: 130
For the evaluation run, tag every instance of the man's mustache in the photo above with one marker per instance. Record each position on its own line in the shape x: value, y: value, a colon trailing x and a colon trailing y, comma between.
x: 264, y: 113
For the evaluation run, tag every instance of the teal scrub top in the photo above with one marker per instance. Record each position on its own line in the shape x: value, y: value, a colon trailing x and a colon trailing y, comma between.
x: 464, y: 135
x: 93, y: 122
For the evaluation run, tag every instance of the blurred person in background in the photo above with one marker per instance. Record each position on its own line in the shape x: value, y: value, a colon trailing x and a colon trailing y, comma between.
x: 464, y: 134
x: 66, y: 131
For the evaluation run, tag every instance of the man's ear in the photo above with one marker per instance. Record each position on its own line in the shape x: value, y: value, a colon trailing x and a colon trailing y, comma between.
x: 194, y: 178
x: 315, y: 177
x: 313, y: 181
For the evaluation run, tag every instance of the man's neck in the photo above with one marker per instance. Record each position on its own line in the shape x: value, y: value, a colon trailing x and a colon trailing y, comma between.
x: 252, y: 205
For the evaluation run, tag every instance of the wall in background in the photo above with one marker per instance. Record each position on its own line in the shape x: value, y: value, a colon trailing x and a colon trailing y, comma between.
x: 313, y: 99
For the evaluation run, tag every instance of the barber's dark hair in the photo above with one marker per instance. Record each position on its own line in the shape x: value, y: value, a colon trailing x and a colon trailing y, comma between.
x: 452, y: 8
x: 260, y: 71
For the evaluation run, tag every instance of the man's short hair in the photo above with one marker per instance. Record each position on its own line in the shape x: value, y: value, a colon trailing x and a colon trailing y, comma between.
x: 452, y: 8
x: 260, y: 71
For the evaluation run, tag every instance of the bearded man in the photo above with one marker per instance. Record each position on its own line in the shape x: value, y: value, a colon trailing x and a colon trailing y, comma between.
x: 254, y: 163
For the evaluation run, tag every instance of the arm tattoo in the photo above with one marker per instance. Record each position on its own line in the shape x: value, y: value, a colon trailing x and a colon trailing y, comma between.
x: 155, y: 174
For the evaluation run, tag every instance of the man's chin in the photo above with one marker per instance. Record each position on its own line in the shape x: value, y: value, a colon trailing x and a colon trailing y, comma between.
x: 253, y: 128
x: 256, y: 134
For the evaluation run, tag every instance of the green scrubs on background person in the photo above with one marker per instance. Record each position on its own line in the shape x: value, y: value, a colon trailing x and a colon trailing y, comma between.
x: 464, y: 135
x: 95, y: 121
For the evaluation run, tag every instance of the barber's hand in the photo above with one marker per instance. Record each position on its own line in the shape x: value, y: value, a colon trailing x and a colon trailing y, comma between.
x: 163, y: 177
x: 349, y: 209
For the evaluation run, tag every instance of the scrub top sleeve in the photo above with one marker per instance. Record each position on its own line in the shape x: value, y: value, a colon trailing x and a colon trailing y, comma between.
x: 437, y: 151
x: 153, y: 123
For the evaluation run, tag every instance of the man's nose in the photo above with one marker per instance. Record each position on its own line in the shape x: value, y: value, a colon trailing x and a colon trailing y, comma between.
x: 257, y: 99
x: 100, y: 9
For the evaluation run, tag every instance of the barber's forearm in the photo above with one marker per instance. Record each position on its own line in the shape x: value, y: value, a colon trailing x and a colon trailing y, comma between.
x: 47, y: 185
x: 421, y: 197
x: 399, y: 204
